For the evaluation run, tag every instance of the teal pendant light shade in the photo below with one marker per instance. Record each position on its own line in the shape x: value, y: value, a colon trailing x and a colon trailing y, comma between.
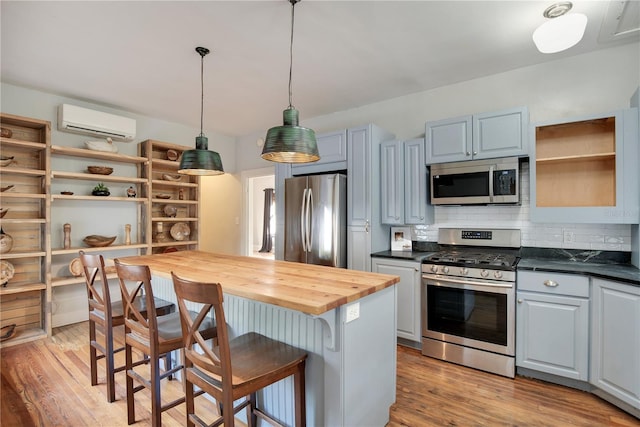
x: 290, y: 143
x: 201, y: 161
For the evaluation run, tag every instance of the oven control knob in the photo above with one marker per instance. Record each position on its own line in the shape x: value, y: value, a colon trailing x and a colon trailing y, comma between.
x: 434, y: 268
x: 498, y: 274
x: 484, y: 273
x: 445, y: 269
x: 464, y: 271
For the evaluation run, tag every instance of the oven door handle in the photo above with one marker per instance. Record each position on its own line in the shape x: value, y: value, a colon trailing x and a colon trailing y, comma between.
x: 458, y: 281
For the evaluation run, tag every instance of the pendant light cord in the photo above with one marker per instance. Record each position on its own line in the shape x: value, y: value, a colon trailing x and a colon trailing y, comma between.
x: 293, y: 5
x: 201, y: 92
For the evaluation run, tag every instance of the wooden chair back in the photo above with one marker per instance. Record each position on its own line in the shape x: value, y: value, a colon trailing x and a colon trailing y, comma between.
x: 98, y: 296
x: 199, y: 352
x: 135, y: 280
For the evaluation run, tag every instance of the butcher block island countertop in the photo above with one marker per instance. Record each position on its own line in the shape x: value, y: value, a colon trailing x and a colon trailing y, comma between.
x: 307, y: 288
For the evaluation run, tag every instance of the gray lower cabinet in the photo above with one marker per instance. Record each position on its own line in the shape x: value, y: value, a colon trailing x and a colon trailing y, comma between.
x: 552, y: 324
x: 615, y: 343
x: 407, y: 294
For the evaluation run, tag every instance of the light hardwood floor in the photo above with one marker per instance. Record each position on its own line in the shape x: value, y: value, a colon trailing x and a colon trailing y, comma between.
x: 47, y: 383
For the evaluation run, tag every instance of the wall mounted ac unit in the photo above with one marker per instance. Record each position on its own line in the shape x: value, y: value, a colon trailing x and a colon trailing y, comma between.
x: 90, y: 122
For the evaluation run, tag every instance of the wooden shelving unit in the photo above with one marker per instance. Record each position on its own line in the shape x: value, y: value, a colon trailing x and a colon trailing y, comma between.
x: 183, y: 195
x: 24, y: 300
x: 576, y: 164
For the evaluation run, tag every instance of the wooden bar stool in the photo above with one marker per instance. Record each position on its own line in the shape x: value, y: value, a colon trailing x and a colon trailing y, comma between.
x: 234, y: 368
x: 155, y: 336
x: 106, y: 315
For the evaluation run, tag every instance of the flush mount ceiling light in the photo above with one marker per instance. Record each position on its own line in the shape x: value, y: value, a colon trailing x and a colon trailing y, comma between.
x: 561, y: 31
x: 290, y: 143
x: 201, y: 161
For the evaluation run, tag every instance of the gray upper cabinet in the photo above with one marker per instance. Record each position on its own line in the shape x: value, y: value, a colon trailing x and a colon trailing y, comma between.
x: 392, y: 182
x: 403, y: 183
x: 586, y: 169
x: 552, y: 324
x: 480, y: 136
x: 365, y: 232
x: 615, y: 342
x: 332, y: 147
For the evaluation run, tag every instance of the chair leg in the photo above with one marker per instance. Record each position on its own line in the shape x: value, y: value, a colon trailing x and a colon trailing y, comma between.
x: 300, y: 399
x: 168, y: 364
x: 228, y: 415
x: 252, y: 419
x: 156, y: 402
x: 131, y: 410
x: 189, y: 399
x: 109, y: 358
x: 93, y: 354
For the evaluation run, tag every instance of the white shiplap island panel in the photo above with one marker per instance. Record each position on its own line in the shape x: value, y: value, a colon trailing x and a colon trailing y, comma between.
x: 351, y: 370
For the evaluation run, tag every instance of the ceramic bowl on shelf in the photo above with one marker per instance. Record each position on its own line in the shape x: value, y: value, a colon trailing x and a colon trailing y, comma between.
x: 6, y: 160
x: 172, y: 155
x: 6, y: 272
x: 97, y: 241
x: 67, y: 193
x: 163, y: 196
x: 7, y: 188
x: 100, y: 170
x: 75, y: 267
x: 180, y: 231
x: 170, y: 211
x: 171, y: 177
x: 106, y: 146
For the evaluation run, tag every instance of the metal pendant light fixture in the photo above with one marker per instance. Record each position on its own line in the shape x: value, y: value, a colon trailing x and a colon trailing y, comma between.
x: 201, y: 161
x: 291, y: 143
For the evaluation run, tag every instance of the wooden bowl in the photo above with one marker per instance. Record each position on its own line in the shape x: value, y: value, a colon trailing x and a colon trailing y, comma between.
x: 100, y: 170
x: 96, y: 241
x: 172, y: 155
x: 75, y: 267
x: 6, y: 160
x: 6, y: 272
x: 171, y: 177
x: 3, y: 212
x: 180, y: 231
x: 163, y: 196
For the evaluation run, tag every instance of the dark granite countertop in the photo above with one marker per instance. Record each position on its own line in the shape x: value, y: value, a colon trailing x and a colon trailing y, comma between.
x: 416, y: 256
x: 602, y: 264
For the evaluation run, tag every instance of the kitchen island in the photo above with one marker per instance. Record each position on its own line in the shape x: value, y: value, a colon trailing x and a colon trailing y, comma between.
x: 345, y: 319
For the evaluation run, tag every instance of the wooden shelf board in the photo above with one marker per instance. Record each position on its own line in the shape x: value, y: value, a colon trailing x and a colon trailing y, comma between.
x: 25, y: 336
x: 18, y: 288
x: 163, y: 183
x: 166, y: 163
x: 577, y: 158
x: 16, y: 255
x: 96, y: 177
x: 23, y: 220
x: 92, y: 154
x: 174, y: 243
x: 66, y: 281
x: 100, y: 249
x: 23, y: 144
x: 174, y: 201
x: 176, y: 219
x: 98, y: 198
x: 7, y: 195
x: 22, y: 171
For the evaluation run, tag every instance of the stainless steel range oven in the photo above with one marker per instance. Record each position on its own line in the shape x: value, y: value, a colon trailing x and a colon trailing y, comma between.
x: 468, y: 299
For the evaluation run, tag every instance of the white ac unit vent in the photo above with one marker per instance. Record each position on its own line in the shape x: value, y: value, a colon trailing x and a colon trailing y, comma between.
x: 90, y: 122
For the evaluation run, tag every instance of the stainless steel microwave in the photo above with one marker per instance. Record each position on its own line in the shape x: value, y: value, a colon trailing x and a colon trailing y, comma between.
x: 476, y: 182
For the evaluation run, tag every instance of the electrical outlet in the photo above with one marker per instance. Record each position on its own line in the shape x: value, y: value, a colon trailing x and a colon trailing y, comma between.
x: 353, y: 311
x: 569, y: 237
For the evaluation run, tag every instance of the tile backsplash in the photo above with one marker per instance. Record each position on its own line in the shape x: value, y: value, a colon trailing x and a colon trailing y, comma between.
x: 610, y: 237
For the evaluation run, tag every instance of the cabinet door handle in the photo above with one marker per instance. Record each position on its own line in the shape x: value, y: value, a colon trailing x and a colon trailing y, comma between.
x: 520, y: 301
x: 475, y: 153
x: 468, y: 153
x: 550, y: 283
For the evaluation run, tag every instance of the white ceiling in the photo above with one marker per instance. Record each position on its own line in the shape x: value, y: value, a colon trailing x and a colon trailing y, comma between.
x: 139, y: 56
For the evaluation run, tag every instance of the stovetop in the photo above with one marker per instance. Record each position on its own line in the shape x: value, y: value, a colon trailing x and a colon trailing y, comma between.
x: 475, y: 258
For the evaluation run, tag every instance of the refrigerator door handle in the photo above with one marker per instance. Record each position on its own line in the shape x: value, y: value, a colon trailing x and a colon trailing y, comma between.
x: 334, y: 219
x: 308, y: 226
x: 303, y: 233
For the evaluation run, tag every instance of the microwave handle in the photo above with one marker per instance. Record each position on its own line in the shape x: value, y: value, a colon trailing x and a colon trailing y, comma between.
x: 491, y: 170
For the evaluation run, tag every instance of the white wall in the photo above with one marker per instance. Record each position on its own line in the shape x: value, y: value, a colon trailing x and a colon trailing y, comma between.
x: 592, y: 83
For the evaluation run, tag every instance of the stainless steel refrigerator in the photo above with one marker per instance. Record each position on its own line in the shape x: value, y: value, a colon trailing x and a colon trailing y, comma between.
x: 316, y: 220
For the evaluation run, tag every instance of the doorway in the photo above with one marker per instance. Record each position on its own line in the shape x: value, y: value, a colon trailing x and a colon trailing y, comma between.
x: 254, y: 184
